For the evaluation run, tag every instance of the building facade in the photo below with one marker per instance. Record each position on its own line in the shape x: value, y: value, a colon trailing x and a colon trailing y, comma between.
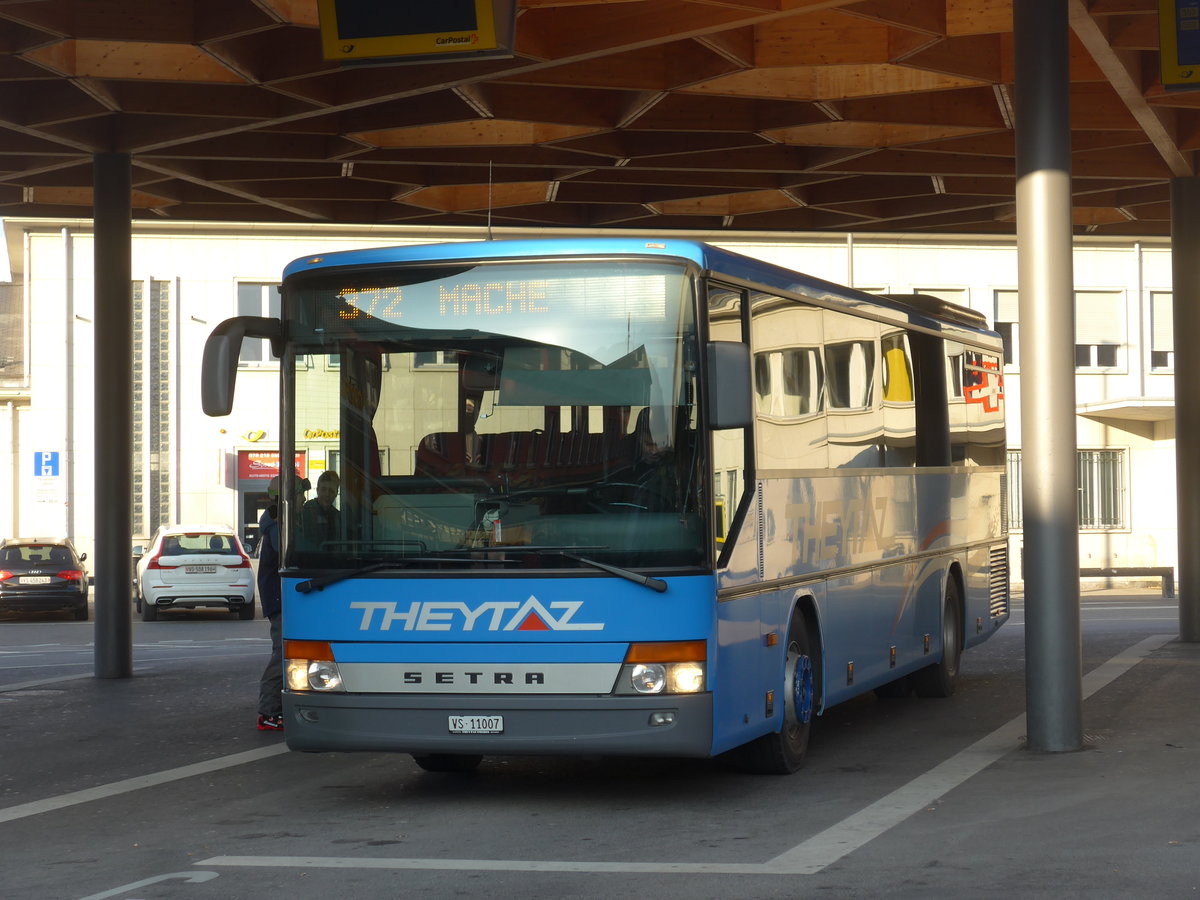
x: 187, y: 277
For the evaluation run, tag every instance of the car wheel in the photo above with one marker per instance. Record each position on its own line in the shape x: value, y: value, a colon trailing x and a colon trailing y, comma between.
x: 81, y: 612
x: 246, y: 612
x: 149, y: 612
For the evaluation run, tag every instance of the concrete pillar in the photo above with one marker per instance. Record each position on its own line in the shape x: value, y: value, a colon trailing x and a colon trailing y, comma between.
x: 112, y: 186
x: 1054, y: 656
x: 1185, y: 275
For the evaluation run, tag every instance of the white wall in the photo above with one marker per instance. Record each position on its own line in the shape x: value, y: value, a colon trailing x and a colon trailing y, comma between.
x: 205, y: 263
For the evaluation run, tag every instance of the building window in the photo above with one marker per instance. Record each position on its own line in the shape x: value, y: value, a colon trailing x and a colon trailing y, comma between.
x: 1006, y: 324
x: 1013, y: 499
x: 257, y: 299
x: 151, y: 408
x: 1099, y: 329
x: 424, y: 359
x: 850, y: 374
x: 1162, y: 331
x: 1100, y: 490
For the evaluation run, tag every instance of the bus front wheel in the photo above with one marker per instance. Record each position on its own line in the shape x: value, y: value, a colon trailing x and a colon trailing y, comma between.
x: 940, y: 679
x: 448, y: 762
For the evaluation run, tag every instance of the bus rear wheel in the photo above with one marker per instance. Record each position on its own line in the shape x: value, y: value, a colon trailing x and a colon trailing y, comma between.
x: 448, y: 762
x: 940, y: 679
x: 785, y: 751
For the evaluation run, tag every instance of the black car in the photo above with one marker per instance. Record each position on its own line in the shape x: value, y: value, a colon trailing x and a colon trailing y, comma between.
x: 43, y: 576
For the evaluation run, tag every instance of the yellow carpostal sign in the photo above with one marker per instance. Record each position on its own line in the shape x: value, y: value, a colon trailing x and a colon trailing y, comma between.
x: 370, y: 29
x: 1179, y: 44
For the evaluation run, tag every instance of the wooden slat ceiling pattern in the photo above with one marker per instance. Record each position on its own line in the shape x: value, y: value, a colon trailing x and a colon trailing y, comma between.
x: 877, y: 115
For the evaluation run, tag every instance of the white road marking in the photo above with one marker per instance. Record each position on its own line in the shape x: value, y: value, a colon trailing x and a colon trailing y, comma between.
x: 123, y: 890
x: 154, y: 779
x: 806, y: 858
x: 23, y: 685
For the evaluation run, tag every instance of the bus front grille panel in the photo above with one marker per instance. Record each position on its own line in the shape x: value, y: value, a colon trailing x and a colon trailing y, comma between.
x: 998, y: 580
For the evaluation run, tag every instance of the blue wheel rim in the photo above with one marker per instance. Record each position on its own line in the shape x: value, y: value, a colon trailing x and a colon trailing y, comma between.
x: 802, y: 689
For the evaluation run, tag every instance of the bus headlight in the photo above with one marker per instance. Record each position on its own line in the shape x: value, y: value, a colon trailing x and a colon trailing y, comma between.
x: 313, y: 675
x: 668, y: 667
x: 648, y: 678
x: 686, y: 678
x: 661, y: 678
x: 309, y: 666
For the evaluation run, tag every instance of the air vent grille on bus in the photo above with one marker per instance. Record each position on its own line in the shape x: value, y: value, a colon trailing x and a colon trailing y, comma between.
x: 762, y: 529
x: 1004, y: 524
x: 998, y: 580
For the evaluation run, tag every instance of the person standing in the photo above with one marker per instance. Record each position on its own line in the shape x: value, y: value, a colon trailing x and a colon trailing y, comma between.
x: 270, y: 596
x: 319, y: 525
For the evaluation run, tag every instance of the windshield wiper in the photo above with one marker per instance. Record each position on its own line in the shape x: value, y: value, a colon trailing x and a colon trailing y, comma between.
x: 655, y: 584
x: 322, y: 582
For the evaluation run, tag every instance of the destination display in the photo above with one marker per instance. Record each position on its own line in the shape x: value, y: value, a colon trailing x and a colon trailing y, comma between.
x: 496, y: 297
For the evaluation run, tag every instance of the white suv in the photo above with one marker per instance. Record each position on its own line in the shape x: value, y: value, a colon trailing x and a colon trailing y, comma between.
x: 195, y: 565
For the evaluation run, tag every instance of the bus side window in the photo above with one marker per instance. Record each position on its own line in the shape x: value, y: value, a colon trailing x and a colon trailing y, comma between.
x: 727, y: 469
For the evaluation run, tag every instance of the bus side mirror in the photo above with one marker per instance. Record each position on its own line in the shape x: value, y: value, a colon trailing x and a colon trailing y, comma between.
x: 221, y: 351
x: 729, y: 403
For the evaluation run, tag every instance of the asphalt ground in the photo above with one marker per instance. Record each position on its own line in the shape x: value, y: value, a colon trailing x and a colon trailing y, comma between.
x: 158, y: 786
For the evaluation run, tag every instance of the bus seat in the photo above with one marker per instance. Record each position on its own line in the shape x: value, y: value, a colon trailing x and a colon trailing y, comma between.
x: 447, y: 454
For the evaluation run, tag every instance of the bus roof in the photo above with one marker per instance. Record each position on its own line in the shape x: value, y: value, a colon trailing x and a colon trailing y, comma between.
x: 916, y: 310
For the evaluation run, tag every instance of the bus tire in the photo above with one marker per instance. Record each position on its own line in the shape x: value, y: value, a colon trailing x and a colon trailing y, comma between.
x: 786, y: 750
x: 448, y: 762
x: 941, y: 678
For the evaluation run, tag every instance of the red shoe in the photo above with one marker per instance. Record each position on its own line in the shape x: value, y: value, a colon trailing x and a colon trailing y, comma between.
x: 270, y: 723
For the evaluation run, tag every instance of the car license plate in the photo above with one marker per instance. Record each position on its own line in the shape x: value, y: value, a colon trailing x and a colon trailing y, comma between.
x: 477, y: 724
x: 199, y: 570
x: 35, y: 579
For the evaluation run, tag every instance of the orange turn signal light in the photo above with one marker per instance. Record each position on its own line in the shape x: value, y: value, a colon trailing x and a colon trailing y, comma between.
x: 308, y: 650
x: 667, y: 651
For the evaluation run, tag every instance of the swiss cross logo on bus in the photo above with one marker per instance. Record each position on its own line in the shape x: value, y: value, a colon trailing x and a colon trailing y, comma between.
x: 492, y: 615
x: 984, y: 384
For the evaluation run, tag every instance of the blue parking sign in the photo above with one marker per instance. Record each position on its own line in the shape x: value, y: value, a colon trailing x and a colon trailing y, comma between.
x: 45, y: 462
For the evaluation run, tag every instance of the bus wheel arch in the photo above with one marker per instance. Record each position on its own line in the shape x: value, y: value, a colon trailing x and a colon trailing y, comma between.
x: 783, y: 752
x: 941, y: 678
x: 806, y: 610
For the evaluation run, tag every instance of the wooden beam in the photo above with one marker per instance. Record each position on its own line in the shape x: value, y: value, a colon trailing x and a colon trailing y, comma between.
x: 1126, y: 81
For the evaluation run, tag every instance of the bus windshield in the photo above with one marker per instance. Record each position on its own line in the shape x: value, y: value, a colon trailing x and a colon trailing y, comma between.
x: 496, y: 416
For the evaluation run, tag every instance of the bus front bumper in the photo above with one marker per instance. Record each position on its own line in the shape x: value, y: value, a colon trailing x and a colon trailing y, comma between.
x: 555, y: 725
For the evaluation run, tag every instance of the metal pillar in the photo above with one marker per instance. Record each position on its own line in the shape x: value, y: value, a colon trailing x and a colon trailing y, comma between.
x: 1185, y: 276
x: 112, y: 186
x: 1053, y: 651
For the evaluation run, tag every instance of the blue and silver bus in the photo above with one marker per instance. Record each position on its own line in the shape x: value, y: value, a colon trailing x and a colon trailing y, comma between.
x: 627, y: 497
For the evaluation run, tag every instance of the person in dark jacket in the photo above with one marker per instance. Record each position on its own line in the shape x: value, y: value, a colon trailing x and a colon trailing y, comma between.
x: 319, y: 525
x: 270, y: 594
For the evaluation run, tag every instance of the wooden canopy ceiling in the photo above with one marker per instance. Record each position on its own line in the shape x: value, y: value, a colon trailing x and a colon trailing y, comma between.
x: 876, y: 115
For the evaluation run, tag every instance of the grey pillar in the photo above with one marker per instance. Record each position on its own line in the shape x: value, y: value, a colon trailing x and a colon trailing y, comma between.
x: 1053, y: 649
x: 112, y: 185
x: 1185, y: 274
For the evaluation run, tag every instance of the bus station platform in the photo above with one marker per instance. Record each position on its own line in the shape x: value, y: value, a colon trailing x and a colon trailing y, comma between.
x: 158, y: 786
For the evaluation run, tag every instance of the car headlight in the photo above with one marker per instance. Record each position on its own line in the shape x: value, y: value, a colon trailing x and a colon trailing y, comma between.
x: 668, y: 667
x: 309, y: 666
